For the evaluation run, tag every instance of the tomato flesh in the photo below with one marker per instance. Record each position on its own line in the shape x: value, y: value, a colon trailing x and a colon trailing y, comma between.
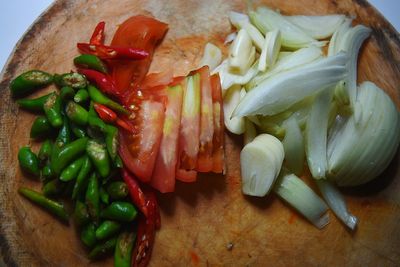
x: 190, y: 128
x: 218, y: 155
x: 139, y: 151
x: 164, y: 171
x: 204, y: 160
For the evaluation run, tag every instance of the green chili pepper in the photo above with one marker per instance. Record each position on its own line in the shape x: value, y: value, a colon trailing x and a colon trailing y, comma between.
x: 52, y: 108
x: 47, y: 173
x: 45, y: 151
x: 68, y: 153
x: 29, y: 81
x: 77, y: 130
x: 93, y: 197
x: 67, y: 93
x: 123, y: 249
x: 104, y: 197
x: 118, y: 162
x: 97, y: 152
x: 90, y: 62
x: 28, y: 161
x: 119, y: 211
x: 107, y: 229
x: 112, y: 141
x: 41, y: 127
x: 48, y: 204
x: 73, y: 79
x: 81, y: 96
x: 76, y: 113
x: 88, y: 235
x: 103, y: 249
x: 117, y: 190
x: 81, y: 215
x: 82, y: 179
x: 53, y: 188
x: 35, y: 104
x: 97, y: 96
x: 72, y: 170
x: 94, y: 121
x: 64, y: 135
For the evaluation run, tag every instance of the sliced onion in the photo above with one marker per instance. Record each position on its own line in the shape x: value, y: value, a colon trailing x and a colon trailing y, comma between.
x: 285, y: 89
x: 293, y: 37
x: 250, y: 132
x: 293, y: 143
x: 295, y: 192
x: 318, y: 27
x: 359, y: 151
x: 317, y: 134
x: 294, y: 60
x: 212, y: 56
x: 270, y: 50
x: 231, y: 100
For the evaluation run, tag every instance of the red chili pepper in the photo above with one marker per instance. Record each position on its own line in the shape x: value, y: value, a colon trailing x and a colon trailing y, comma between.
x: 144, y: 242
x: 137, y: 195
x: 126, y: 125
x: 112, y: 52
x: 98, y: 34
x: 146, y: 232
x: 153, y: 205
x: 106, y: 114
x: 103, y: 81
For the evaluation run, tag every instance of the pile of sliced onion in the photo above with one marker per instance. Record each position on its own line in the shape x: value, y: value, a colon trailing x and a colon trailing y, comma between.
x: 302, y: 106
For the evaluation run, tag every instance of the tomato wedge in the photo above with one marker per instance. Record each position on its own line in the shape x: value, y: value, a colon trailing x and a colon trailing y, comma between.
x: 139, y: 151
x: 140, y: 32
x: 218, y: 154
x: 204, y: 160
x: 189, y: 130
x: 164, y: 171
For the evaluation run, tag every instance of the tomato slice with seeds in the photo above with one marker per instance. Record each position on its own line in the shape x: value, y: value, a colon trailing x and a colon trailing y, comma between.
x: 140, y: 32
x: 164, y: 171
x: 218, y: 155
x: 139, y: 151
x: 204, y: 160
x: 190, y: 129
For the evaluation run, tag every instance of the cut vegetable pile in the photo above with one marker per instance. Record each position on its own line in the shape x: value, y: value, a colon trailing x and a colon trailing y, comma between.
x: 307, y: 108
x: 113, y: 133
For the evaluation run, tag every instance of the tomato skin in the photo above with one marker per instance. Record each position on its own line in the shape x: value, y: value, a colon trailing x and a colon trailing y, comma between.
x: 139, y: 151
x: 140, y: 32
x: 204, y: 160
x: 164, y: 171
x: 218, y: 154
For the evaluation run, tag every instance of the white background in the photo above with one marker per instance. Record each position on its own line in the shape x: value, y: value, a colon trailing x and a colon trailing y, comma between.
x: 17, y: 15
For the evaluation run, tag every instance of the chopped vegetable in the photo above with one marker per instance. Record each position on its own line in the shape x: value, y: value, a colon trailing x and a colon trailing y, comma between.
x: 318, y: 27
x: 260, y: 164
x: 275, y: 95
x: 294, y: 191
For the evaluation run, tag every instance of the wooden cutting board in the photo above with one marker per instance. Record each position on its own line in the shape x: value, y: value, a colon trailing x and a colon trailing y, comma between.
x: 200, y: 221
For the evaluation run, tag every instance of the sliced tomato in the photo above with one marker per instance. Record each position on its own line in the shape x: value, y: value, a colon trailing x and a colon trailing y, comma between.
x: 190, y: 128
x: 218, y: 154
x: 164, y: 171
x: 153, y: 80
x: 204, y: 160
x: 139, y: 151
x: 187, y: 176
x: 140, y: 32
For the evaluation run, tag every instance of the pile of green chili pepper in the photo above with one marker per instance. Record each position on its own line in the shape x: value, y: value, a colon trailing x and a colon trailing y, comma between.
x: 78, y: 158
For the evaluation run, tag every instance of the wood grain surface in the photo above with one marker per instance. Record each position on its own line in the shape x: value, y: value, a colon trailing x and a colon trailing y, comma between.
x: 199, y: 221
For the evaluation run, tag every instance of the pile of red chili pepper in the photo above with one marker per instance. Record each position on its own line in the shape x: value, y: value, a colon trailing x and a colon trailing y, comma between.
x: 164, y: 128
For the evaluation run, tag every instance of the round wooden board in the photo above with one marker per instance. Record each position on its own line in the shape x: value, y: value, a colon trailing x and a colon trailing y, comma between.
x: 199, y: 220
